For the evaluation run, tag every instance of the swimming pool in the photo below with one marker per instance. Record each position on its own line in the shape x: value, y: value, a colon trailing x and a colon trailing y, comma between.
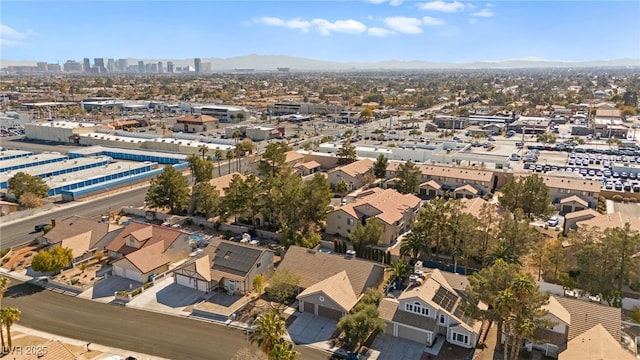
x: 196, y: 237
x: 324, y: 250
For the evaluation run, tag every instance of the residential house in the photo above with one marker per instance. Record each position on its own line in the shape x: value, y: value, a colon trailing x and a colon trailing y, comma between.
x: 226, y: 265
x: 395, y: 211
x: 82, y: 235
x: 356, y: 174
x: 141, y: 250
x: 7, y: 207
x: 332, y: 283
x: 222, y: 182
x: 572, y: 219
x: 572, y: 193
x: 595, y: 343
x: 436, y: 309
x: 572, y: 319
x: 436, y: 180
x: 195, y: 123
x: 607, y: 221
x: 307, y: 168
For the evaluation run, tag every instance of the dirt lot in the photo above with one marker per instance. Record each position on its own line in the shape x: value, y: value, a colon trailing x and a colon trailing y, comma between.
x: 21, y: 258
x: 53, y: 348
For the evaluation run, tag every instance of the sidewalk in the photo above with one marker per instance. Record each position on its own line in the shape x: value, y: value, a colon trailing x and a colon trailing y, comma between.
x: 108, y: 352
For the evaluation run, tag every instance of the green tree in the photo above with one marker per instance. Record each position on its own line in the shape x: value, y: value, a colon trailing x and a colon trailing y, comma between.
x: 368, y: 234
x: 169, y: 190
x: 235, y: 200
x: 554, y: 260
x: 487, y: 285
x: 461, y: 227
x: 366, y: 114
x: 380, y: 167
x: 258, y: 283
x: 625, y: 244
x: 357, y: 327
x: 273, y: 158
x: 201, y: 169
x: 547, y: 138
x: 22, y: 182
x: 52, y: 260
x: 408, y: 178
x: 342, y: 188
x: 269, y: 329
x: 347, y: 153
x: 203, y: 150
x: 433, y: 222
x: 8, y: 317
x: 282, y: 285
x: 207, y: 199
x: 400, y: 270
x: 515, y: 231
x: 29, y: 200
x: 529, y: 193
x: 487, y: 234
x: 252, y: 191
x: 218, y: 154
x: 4, y: 284
x: 282, y: 350
x: 415, y: 245
x: 229, y: 155
x: 316, y: 198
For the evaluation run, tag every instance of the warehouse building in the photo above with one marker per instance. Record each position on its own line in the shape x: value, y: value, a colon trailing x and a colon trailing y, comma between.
x: 30, y: 161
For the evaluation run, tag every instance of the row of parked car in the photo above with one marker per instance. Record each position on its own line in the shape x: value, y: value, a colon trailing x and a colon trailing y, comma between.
x: 611, y: 180
x: 571, y: 147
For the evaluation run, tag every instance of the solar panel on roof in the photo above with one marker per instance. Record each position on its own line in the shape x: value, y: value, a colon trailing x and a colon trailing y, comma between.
x: 464, y: 315
x: 445, y: 299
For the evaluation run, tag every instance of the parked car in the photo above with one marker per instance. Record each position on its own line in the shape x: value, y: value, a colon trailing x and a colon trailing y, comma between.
x: 553, y: 221
x: 40, y: 227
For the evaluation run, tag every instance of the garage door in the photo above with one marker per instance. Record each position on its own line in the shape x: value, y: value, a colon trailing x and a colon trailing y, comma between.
x: 412, y: 334
x: 329, y: 313
x: 185, y: 281
x: 309, y: 307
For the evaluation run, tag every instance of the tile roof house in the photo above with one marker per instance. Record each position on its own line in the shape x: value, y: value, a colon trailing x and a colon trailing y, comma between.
x: 396, y: 212
x: 82, y: 235
x: 142, y: 250
x: 195, y: 123
x: 436, y: 180
x: 571, y: 193
x: 572, y: 219
x: 355, y: 174
x: 571, y: 319
x: 613, y: 220
x: 222, y: 182
x: 226, y: 265
x: 437, y: 308
x: 307, y: 168
x: 595, y: 343
x: 332, y: 283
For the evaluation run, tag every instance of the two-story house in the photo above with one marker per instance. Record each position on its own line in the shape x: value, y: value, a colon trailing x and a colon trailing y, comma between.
x: 395, y: 211
x: 436, y: 180
x: 355, y: 174
x: 436, y: 309
x: 571, y: 192
x: 141, y: 250
x: 552, y: 339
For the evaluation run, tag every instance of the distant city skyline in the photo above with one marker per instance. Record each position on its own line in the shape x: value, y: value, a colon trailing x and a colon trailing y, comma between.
x: 366, y: 31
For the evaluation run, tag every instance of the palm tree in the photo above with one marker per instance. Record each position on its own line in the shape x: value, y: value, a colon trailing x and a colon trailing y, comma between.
x: 8, y: 316
x: 505, y: 252
x: 239, y: 151
x: 400, y: 269
x: 236, y: 135
x: 415, y: 245
x: 268, y: 331
x: 282, y: 350
x: 203, y: 150
x: 218, y: 154
x: 229, y: 157
x: 503, y: 305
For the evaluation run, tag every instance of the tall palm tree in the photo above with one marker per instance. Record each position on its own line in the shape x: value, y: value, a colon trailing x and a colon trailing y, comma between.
x: 268, y: 331
x: 236, y: 135
x: 503, y: 305
x: 238, y: 151
x: 218, y: 154
x: 415, y: 245
x: 8, y: 316
x: 229, y: 157
x: 203, y: 150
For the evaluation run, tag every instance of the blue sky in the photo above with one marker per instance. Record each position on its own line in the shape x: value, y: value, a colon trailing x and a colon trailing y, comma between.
x: 367, y: 30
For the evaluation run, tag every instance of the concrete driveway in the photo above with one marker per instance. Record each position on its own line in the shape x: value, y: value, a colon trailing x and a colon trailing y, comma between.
x: 104, y: 291
x: 165, y: 296
x: 309, y: 329
x: 387, y: 347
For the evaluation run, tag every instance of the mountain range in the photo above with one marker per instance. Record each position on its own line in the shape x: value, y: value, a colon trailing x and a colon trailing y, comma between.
x: 272, y: 62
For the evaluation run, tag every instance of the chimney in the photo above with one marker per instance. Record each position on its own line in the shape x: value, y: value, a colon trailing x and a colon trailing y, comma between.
x: 53, y: 222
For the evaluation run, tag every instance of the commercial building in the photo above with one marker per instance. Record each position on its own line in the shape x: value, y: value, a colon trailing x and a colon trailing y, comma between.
x: 129, y: 154
x: 292, y: 108
x: 196, y: 64
x: 195, y: 123
x: 255, y: 133
x: 170, y: 67
x: 24, y: 162
x: 224, y: 113
x: 72, y: 66
x: 59, y: 131
x: 86, y: 65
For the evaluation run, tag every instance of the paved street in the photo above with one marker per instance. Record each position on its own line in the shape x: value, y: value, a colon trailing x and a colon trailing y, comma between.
x: 140, y: 331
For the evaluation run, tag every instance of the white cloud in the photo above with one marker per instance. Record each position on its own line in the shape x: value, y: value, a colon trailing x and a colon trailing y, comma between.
x: 430, y: 21
x: 295, y: 23
x: 470, y: 6
x: 395, y: 2
x: 375, y: 1
x: 443, y: 6
x: 483, y: 13
x: 403, y: 24
x: 376, y: 31
x: 344, y: 26
x: 10, y: 37
x: 489, y: 5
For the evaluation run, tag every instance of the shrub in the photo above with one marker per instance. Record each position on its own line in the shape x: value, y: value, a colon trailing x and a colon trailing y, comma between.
x: 228, y: 235
x: 635, y: 314
x: 625, y: 199
x: 632, y: 200
x: 617, y: 198
x: 4, y: 252
x: 189, y: 221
